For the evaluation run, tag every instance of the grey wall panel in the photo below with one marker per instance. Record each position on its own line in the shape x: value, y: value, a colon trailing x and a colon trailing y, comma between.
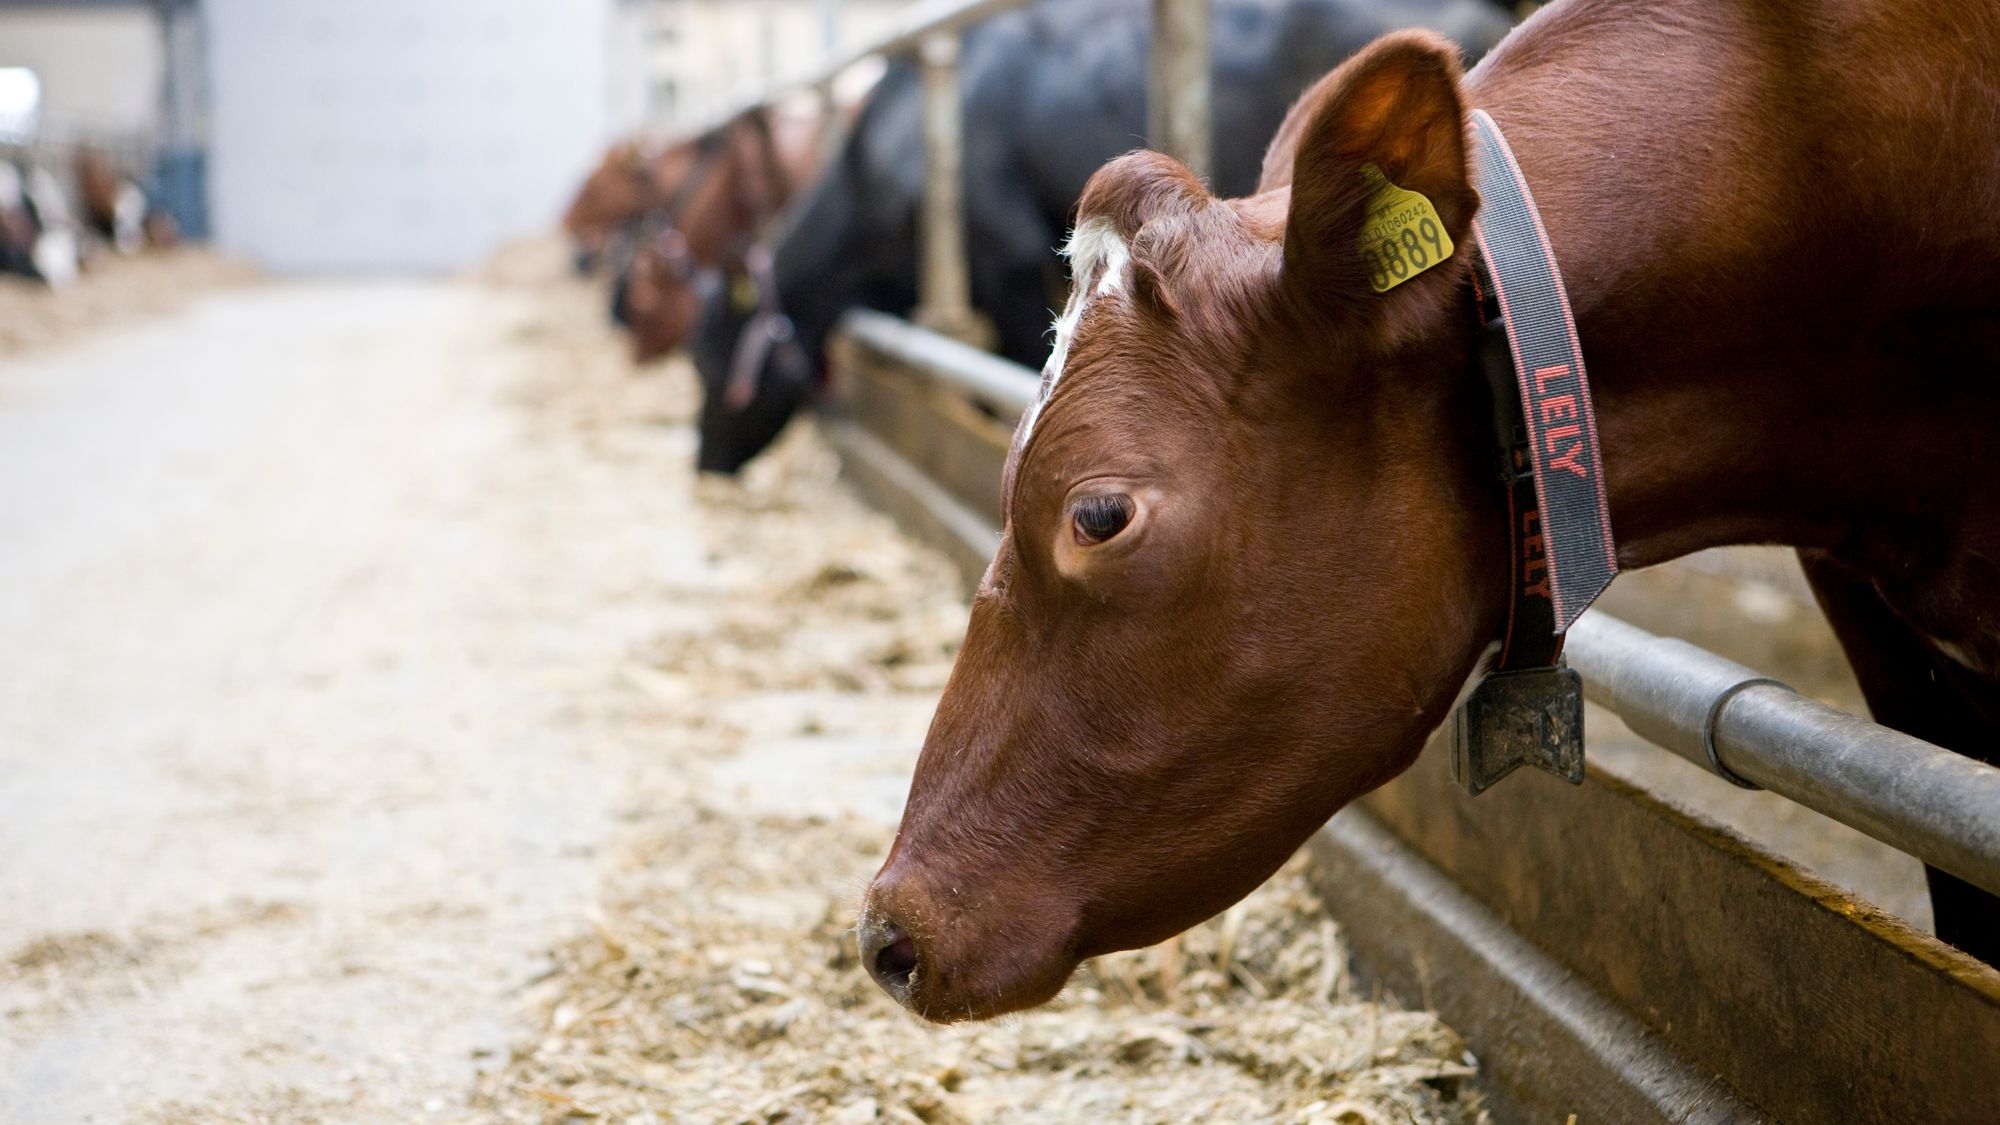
x: 398, y: 135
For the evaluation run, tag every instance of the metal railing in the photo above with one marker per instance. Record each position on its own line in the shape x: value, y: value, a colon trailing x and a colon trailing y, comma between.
x: 1178, y: 108
x: 1942, y: 807
x: 56, y: 139
x: 1939, y: 806
x: 913, y: 25
x: 1000, y: 386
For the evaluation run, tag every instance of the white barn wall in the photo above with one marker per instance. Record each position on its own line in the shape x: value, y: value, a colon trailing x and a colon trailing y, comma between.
x: 399, y: 135
x: 628, y: 77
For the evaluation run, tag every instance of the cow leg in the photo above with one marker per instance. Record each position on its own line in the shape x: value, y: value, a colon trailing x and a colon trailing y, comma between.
x: 1913, y: 689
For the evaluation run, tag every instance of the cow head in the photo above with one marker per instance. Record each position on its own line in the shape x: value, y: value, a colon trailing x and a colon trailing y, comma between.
x: 658, y: 298
x: 756, y: 368
x: 623, y: 185
x: 1252, y: 550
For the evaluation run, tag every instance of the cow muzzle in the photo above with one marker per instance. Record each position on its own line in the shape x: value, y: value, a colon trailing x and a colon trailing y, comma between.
x: 950, y: 953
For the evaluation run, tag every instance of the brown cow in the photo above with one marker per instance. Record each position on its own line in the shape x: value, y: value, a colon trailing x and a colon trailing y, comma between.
x: 1254, y: 540
x: 742, y: 176
x: 115, y: 208
x: 625, y: 184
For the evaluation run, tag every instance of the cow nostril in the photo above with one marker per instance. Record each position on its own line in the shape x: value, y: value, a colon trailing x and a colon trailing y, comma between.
x: 894, y: 959
x: 897, y: 960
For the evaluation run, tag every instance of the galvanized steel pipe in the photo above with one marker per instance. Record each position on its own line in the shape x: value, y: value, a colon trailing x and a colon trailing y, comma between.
x: 913, y: 24
x: 944, y: 278
x: 1178, y: 88
x: 1941, y: 807
x: 1002, y: 386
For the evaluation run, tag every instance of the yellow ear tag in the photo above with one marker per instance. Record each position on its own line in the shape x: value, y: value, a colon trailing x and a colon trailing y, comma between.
x: 1401, y: 236
x: 743, y: 292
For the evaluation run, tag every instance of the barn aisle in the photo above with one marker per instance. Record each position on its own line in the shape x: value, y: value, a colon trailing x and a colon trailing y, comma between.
x: 312, y: 625
x: 391, y: 728
x: 292, y: 794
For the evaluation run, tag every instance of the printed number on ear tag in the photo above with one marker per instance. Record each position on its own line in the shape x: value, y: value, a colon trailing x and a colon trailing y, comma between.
x: 743, y: 292
x: 1402, y: 235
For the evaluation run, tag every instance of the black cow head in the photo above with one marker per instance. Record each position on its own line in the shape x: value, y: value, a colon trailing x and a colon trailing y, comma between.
x: 755, y: 371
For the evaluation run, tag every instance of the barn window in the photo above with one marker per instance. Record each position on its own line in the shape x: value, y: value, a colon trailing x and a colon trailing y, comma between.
x: 20, y: 104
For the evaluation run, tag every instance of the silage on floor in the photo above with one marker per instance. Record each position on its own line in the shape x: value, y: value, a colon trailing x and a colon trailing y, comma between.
x: 718, y: 983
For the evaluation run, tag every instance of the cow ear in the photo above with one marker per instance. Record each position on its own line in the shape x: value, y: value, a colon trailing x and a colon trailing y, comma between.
x: 1150, y: 290
x: 1391, y: 113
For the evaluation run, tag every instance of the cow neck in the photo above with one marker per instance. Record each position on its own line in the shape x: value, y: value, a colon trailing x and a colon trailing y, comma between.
x: 710, y: 150
x: 776, y: 182
x: 1560, y: 549
x: 769, y: 335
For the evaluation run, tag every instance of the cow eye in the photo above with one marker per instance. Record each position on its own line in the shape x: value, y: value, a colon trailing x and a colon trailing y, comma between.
x: 1097, y: 518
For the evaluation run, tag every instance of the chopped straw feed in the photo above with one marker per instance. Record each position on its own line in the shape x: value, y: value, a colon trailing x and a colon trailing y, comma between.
x: 717, y: 981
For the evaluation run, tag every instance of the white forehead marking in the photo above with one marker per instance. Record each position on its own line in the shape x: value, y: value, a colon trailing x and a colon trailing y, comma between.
x: 1095, y: 244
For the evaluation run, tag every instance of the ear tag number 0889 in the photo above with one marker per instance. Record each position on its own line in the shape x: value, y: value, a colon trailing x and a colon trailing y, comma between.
x: 1401, y: 236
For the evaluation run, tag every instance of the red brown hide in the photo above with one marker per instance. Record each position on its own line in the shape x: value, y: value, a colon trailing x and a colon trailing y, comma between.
x: 624, y: 185
x: 763, y: 161
x: 1254, y: 543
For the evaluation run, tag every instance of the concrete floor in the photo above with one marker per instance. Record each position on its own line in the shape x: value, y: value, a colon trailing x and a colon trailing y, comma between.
x: 306, y: 625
